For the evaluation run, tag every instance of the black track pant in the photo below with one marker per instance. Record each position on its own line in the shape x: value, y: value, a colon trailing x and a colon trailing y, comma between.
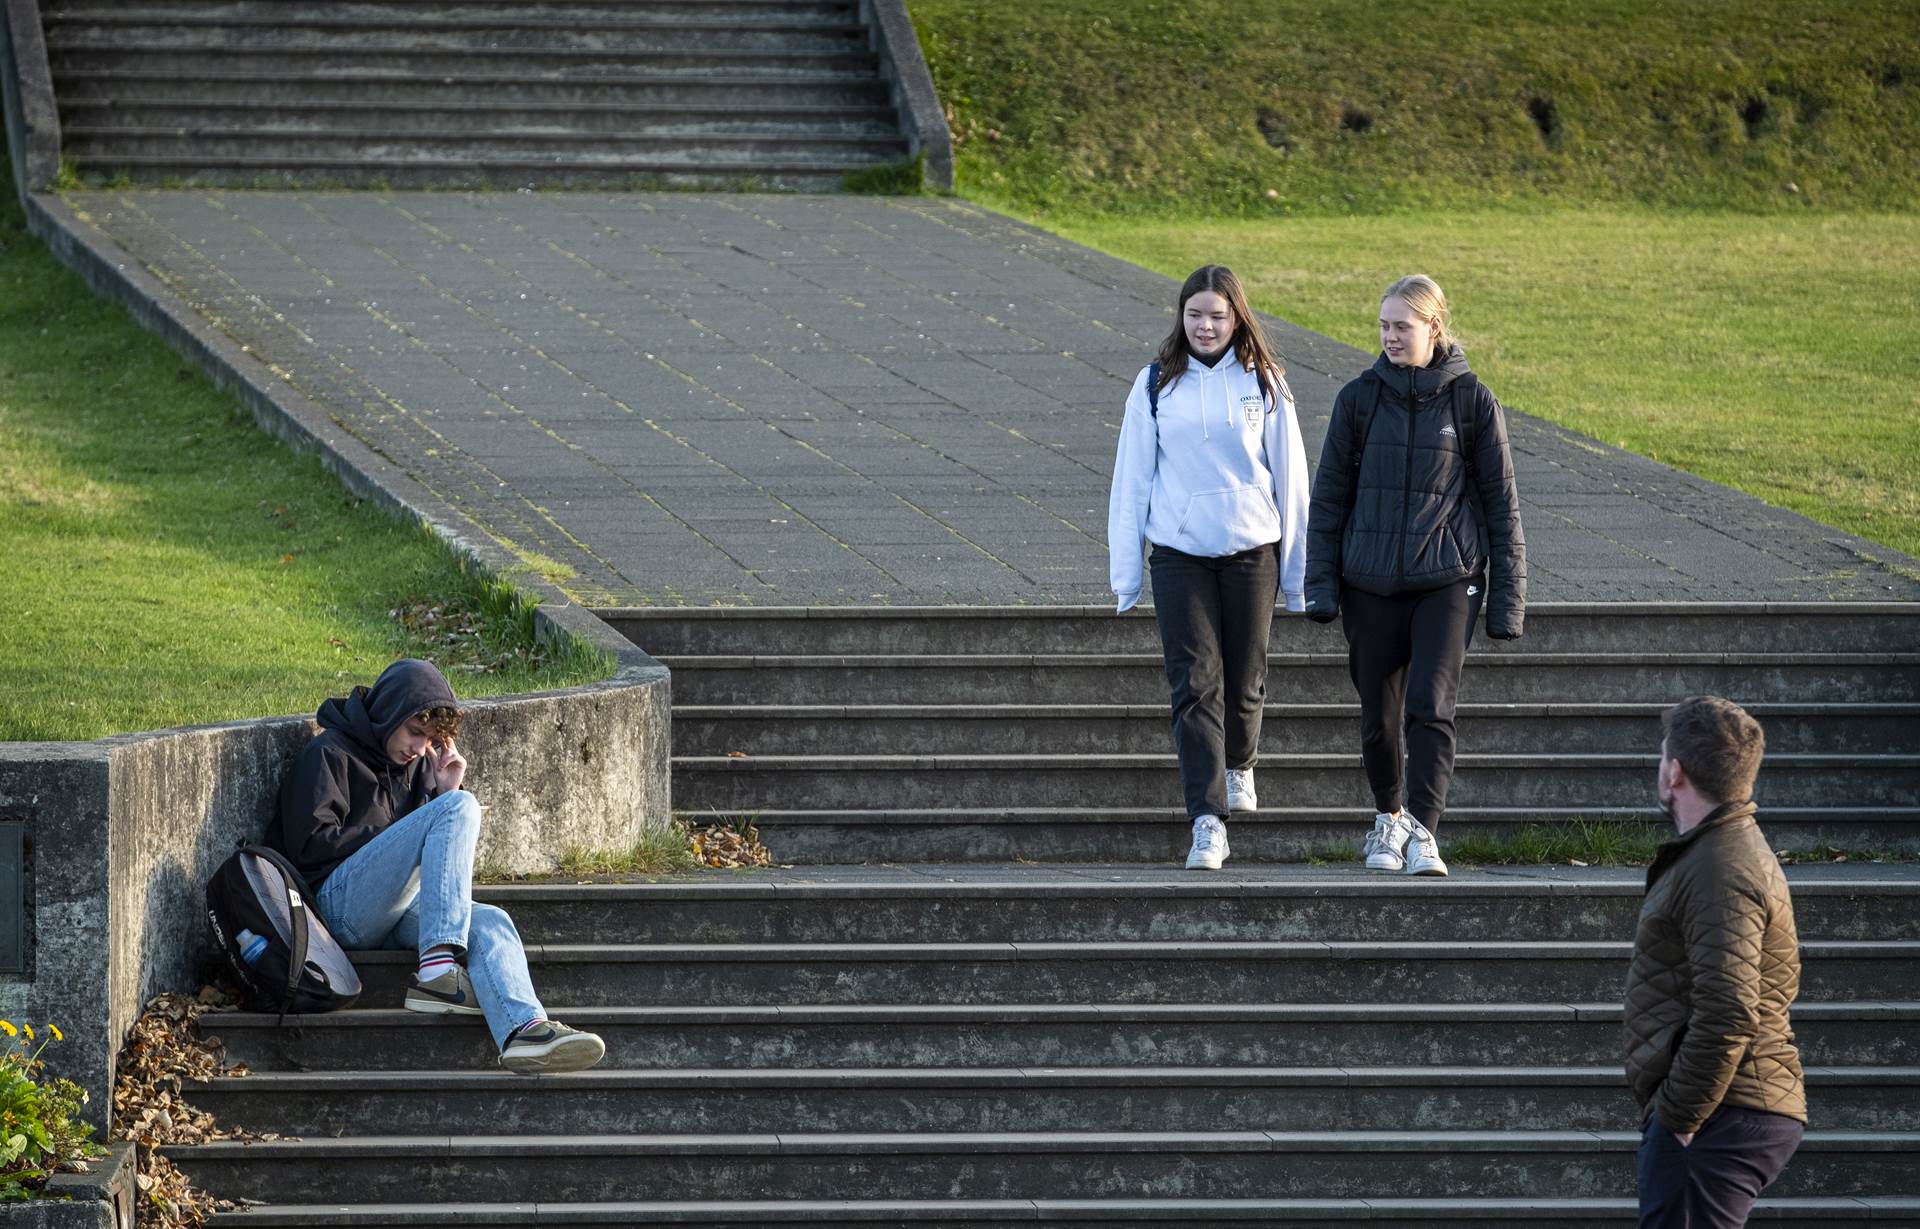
x: 1214, y: 616
x: 1405, y: 653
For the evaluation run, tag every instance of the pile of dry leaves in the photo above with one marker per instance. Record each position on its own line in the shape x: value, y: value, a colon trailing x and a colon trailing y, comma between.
x: 726, y: 848
x: 148, y: 1108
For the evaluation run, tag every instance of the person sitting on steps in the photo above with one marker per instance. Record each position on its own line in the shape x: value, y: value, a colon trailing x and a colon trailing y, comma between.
x: 375, y: 816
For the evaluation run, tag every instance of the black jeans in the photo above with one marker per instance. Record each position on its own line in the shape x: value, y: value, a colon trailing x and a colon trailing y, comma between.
x: 1214, y: 616
x: 1405, y: 654
x: 1712, y: 1182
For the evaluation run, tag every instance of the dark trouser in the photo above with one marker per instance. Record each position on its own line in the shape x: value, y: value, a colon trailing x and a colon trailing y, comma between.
x: 1214, y: 618
x: 1405, y: 654
x: 1712, y: 1182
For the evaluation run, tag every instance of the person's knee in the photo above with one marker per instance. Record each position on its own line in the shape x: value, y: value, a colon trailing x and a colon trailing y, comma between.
x: 462, y: 809
x: 491, y: 926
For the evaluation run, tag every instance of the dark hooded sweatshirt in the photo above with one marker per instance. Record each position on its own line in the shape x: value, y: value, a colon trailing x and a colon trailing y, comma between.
x: 344, y: 790
x: 1392, y: 514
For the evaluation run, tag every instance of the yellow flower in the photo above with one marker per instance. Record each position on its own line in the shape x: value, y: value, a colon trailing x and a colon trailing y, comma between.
x: 29, y: 1030
x: 57, y: 1034
x: 6, y: 1026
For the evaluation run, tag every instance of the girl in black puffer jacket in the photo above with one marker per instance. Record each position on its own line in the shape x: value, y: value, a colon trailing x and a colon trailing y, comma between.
x: 1415, y: 522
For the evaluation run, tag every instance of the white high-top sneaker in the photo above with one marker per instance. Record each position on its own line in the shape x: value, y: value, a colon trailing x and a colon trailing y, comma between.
x: 1423, y: 851
x: 1240, y: 793
x: 1386, y: 844
x: 1209, y: 844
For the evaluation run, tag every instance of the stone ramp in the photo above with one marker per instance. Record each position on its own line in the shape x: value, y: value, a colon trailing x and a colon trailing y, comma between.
x: 696, y: 400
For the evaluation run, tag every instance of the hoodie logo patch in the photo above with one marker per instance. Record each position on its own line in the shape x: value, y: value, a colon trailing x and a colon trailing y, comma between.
x: 1448, y: 430
x: 1472, y: 590
x: 1254, y: 408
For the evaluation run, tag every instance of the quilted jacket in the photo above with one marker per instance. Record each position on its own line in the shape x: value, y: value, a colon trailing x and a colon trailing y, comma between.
x: 1393, y: 515
x: 1716, y: 964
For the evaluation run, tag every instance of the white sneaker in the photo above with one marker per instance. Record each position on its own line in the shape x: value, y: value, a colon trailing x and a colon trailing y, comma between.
x: 1209, y: 844
x: 1387, y: 843
x: 1423, y: 851
x: 1240, y: 795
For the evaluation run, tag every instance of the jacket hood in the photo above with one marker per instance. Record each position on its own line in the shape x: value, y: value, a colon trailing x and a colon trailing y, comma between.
x: 370, y: 715
x: 1444, y: 368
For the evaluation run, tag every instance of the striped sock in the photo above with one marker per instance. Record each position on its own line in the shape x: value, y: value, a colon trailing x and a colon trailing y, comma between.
x: 435, y: 964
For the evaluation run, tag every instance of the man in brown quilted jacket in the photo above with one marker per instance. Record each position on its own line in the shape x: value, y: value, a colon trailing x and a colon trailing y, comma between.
x: 1716, y: 964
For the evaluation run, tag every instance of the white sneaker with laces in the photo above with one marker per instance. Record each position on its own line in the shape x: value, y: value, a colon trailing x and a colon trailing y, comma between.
x: 1386, y: 844
x: 1240, y: 793
x: 1423, y: 852
x: 1209, y: 844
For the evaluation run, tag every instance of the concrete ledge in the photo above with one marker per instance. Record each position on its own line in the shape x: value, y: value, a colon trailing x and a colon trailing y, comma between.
x: 26, y: 85
x: 910, y: 83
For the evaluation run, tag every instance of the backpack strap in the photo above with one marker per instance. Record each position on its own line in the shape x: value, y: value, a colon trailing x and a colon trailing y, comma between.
x: 1465, y: 417
x: 1153, y: 389
x: 297, y: 894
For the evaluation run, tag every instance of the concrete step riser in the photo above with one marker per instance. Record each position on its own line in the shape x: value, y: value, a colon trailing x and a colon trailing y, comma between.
x: 1151, y: 1105
x: 1266, y: 1170
x: 822, y: 842
x: 1143, y: 682
x: 1197, y: 979
x: 1181, y: 1216
x: 492, y: 176
x: 1013, y: 918
x: 1117, y: 1042
x: 530, y: 63
x: 468, y: 88
x: 744, y: 787
x: 588, y: 149
x: 1546, y: 632
x: 488, y: 122
x: 1280, y: 734
x: 537, y: 36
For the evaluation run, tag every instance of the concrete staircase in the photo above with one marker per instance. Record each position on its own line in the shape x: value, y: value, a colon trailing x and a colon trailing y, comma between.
x: 473, y: 93
x: 993, y: 1031
x: 1041, y: 735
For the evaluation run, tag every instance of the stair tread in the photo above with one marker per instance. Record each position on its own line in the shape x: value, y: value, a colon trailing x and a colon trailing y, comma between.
x: 1184, y: 949
x: 736, y: 661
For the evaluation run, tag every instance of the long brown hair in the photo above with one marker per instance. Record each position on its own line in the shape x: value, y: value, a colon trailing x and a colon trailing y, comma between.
x: 1250, y: 345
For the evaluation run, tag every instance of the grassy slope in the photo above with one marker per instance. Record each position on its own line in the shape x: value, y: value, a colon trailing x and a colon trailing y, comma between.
x: 1203, y: 106
x: 1640, y: 273
x: 166, y: 562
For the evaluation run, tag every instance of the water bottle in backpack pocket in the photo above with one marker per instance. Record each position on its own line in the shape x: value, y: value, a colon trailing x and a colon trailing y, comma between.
x: 276, y: 946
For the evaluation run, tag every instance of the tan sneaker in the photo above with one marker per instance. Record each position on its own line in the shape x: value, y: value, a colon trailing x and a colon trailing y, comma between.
x: 450, y: 994
x: 549, y: 1047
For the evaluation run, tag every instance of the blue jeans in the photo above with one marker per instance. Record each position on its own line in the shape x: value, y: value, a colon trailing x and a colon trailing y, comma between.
x: 1713, y: 1182
x: 412, y: 887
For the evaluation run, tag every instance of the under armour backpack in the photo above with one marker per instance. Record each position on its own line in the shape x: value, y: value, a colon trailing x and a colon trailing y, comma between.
x: 259, y: 910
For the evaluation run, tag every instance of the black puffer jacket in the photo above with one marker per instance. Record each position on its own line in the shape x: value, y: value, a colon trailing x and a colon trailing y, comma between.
x: 1401, y: 520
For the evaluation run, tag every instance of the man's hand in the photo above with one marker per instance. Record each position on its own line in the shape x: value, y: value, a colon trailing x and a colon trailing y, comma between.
x: 449, y: 766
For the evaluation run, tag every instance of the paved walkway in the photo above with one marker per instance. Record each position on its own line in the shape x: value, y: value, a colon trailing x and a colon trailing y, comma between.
x: 791, y: 400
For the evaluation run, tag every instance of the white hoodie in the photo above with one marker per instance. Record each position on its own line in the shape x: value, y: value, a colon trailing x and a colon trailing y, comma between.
x: 1217, y: 473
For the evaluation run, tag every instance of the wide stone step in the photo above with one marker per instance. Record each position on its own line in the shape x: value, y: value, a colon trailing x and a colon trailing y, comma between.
x: 574, y: 149
x: 609, y: 1101
x: 309, y: 31
x: 397, y: 119
x: 1135, y: 904
x: 427, y: 12
x: 467, y: 87
x: 980, y: 1165
x: 1220, y: 972
x: 999, y: 834
x: 371, y: 1037
x: 536, y: 61
x: 1081, y: 729
x: 1892, y: 1211
x: 484, y: 174
x: 1552, y: 627
x: 861, y: 781
x: 1293, y: 678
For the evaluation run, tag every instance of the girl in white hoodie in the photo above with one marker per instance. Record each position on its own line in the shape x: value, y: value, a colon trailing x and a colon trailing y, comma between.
x: 1211, y: 473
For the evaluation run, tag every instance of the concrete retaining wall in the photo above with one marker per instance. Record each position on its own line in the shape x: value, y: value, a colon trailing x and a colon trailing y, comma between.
x: 26, y: 88
x: 124, y: 832
x: 910, y: 83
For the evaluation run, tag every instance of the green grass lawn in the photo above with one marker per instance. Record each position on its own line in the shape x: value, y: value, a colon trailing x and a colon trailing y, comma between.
x: 1774, y: 354
x: 166, y: 562
x: 1689, y: 230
